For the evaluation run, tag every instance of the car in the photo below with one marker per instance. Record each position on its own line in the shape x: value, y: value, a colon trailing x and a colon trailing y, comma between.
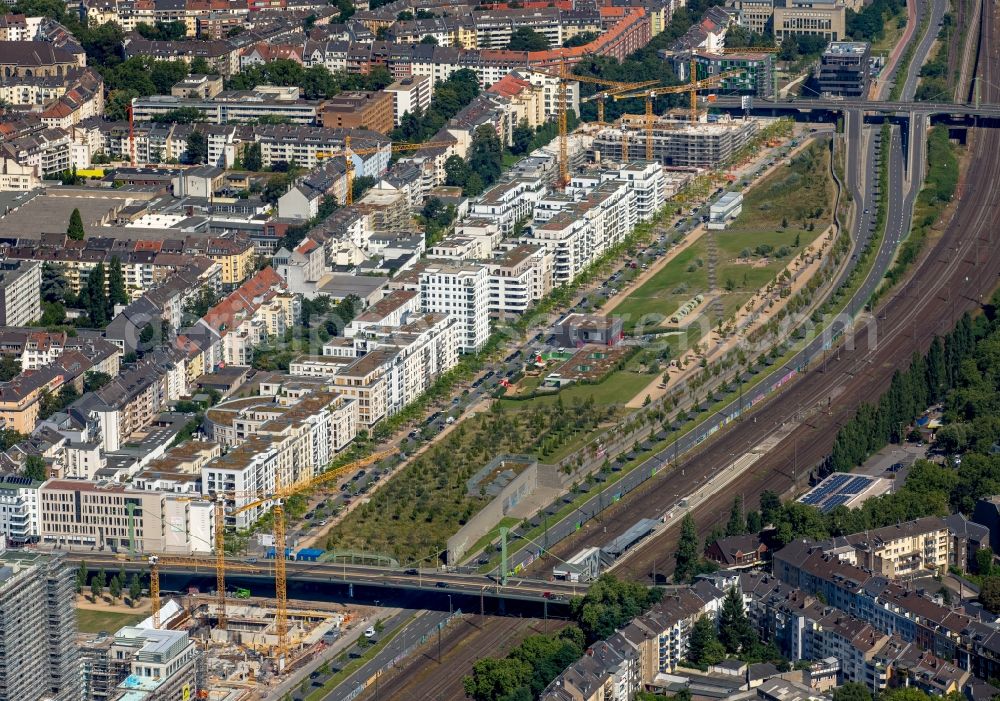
x: 314, y: 675
x: 252, y: 560
x: 441, y: 585
x: 323, y: 523
x: 344, y: 487
x: 309, y: 515
x: 547, y: 595
x: 412, y: 571
x: 450, y: 420
x: 896, y: 467
x: 370, y: 632
x: 362, y: 473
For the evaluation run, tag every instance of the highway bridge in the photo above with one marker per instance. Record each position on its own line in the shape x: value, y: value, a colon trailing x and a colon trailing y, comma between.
x: 983, y: 113
x: 437, y: 588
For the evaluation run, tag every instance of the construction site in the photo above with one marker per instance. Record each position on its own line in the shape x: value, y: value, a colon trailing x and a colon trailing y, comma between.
x: 677, y: 142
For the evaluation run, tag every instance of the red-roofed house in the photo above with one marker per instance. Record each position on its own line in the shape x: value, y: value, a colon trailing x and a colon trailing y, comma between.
x: 262, y: 53
x: 259, y: 308
x: 527, y: 101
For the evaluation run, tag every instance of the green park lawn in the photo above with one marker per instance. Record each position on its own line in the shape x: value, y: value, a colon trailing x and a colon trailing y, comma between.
x: 91, y: 621
x: 781, y: 215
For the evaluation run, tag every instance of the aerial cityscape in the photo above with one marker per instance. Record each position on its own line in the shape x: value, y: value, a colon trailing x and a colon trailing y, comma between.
x: 514, y: 350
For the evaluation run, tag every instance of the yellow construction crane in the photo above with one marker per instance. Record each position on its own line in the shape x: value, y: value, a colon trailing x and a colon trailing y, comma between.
x: 188, y: 562
x: 691, y: 87
x: 347, y: 152
x: 603, y: 95
x: 565, y: 77
x: 280, y: 493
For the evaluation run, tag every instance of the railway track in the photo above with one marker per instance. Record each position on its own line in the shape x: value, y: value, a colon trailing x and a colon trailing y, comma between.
x: 473, y: 637
x: 953, y: 276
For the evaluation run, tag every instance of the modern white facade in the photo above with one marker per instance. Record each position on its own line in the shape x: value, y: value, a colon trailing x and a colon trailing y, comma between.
x: 461, y: 291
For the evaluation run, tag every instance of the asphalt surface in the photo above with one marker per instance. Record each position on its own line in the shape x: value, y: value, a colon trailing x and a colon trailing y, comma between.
x: 938, y: 9
x: 410, y: 633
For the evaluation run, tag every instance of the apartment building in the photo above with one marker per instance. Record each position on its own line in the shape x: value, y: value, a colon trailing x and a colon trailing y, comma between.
x: 410, y: 94
x: 227, y: 107
x: 20, y: 398
x: 584, y: 229
x: 365, y: 380
x: 460, y: 291
x: 257, y: 310
x: 652, y: 644
x: 359, y: 110
x: 20, y: 298
x: 38, y: 657
x: 80, y: 513
x: 18, y: 510
x: 508, y: 203
x: 904, y: 549
x: 255, y: 467
x: 518, y: 278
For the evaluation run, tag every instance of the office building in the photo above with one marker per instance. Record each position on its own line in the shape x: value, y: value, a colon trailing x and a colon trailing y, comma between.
x: 845, y: 69
x: 38, y: 658
x: 825, y: 18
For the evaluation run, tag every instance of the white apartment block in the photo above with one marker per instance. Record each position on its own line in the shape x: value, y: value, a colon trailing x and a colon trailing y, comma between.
x: 508, y: 203
x: 519, y: 278
x: 252, y: 468
x: 581, y: 232
x: 460, y: 291
x: 20, y: 298
x: 409, y: 95
x: 18, y: 510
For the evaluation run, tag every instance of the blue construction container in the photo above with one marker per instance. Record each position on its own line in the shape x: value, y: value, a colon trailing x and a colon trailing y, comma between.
x: 309, y: 554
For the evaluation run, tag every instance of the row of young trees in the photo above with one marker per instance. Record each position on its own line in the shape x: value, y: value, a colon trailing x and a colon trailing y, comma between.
x: 99, y: 581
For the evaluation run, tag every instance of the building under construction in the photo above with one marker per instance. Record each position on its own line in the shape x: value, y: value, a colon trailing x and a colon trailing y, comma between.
x: 676, y: 142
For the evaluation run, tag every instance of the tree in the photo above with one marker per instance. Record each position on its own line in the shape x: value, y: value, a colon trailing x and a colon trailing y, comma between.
x: 34, y: 468
x: 117, y: 293
x: 134, y: 588
x: 737, y: 522
x: 96, y: 301
x: 82, y: 575
x: 53, y: 314
x: 93, y: 380
x: 522, y: 137
x: 429, y: 39
x: 75, y: 229
x: 456, y: 171
x: 989, y: 594
x: 770, y: 505
x: 486, y: 154
x: 197, y: 148
x: 704, y: 647
x: 852, y: 691
x: 584, y: 38
x: 10, y: 367
x: 252, y: 157
x: 97, y: 584
x: 115, y: 588
x: 984, y: 562
x: 54, y: 284
x: 609, y: 604
x: 736, y: 633
x: 686, y: 556
x: 493, y: 679
x: 527, y: 39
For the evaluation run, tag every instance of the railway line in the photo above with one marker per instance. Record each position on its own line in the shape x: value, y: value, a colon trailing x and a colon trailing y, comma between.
x: 954, y: 275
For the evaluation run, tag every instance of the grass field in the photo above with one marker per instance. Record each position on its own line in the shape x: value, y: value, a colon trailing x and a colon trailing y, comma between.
x: 783, y: 212
x: 94, y: 621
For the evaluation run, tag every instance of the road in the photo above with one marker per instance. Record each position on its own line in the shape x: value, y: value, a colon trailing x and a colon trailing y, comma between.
x: 923, y: 50
x: 948, y: 280
x: 673, y: 496
x: 410, y: 633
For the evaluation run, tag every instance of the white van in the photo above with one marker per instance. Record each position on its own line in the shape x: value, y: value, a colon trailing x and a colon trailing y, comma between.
x: 370, y: 632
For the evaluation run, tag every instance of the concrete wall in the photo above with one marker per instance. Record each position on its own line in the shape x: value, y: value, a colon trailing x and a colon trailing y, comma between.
x: 479, y: 525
